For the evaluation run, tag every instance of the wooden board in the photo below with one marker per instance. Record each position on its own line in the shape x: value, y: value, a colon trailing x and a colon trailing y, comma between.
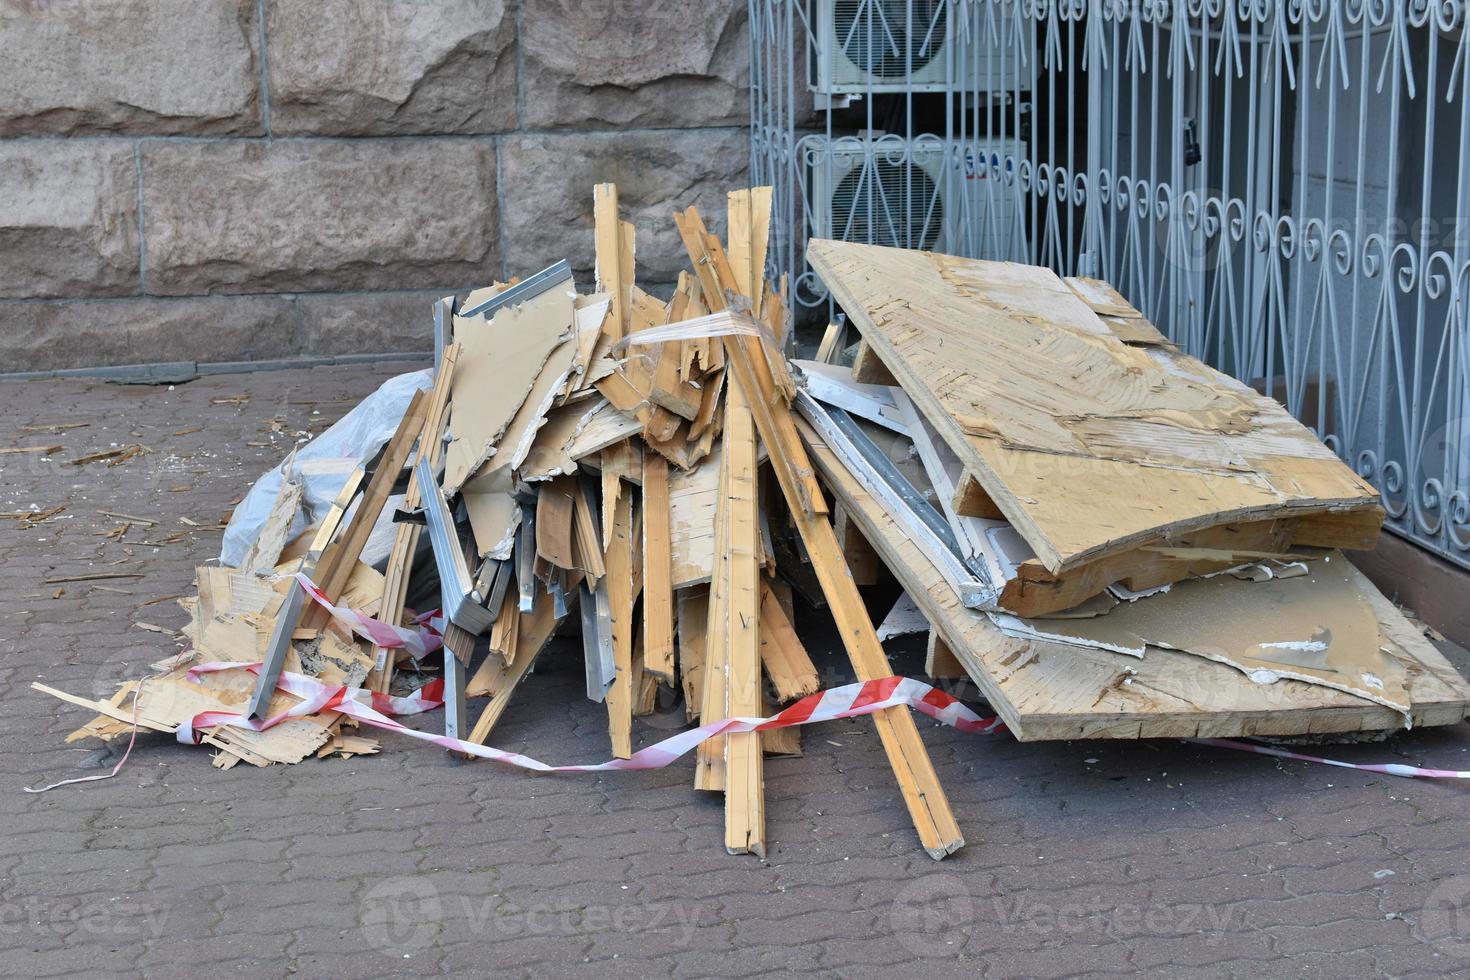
x: 398, y: 568
x: 783, y: 655
x: 340, y: 558
x: 745, y: 820
x: 1116, y: 313
x: 693, y: 624
x: 1088, y: 446
x: 499, y: 679
x: 658, y: 591
x: 692, y: 500
x: 769, y: 401
x: 619, y: 561
x: 709, y: 765
x: 1047, y: 690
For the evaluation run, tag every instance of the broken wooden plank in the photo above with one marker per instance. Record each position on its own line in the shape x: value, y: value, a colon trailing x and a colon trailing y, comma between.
x: 693, y: 497
x: 533, y: 632
x: 658, y: 589
x: 868, y: 369
x: 608, y: 244
x: 718, y: 281
x: 1097, y: 446
x: 406, y: 537
x: 744, y: 789
x: 709, y: 764
x: 940, y: 663
x: 693, y: 628
x: 1045, y: 690
x: 555, y: 512
x: 619, y: 561
x: 784, y: 656
x: 928, y: 808
x: 337, y: 563
x: 834, y: 341
x: 331, y: 523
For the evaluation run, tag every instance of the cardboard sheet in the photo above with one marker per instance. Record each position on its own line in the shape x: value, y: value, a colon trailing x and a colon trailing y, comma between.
x: 501, y: 362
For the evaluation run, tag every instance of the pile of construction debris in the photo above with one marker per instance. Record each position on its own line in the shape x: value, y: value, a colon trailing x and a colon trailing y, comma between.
x: 1110, y: 538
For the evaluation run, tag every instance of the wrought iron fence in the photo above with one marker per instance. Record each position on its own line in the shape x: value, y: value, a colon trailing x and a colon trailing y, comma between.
x: 1280, y: 185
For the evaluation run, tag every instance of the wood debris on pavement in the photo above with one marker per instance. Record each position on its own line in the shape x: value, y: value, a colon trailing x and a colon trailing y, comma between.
x: 1109, y: 538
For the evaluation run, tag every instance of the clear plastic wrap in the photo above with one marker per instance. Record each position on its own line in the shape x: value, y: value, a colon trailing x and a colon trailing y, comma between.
x: 323, y: 465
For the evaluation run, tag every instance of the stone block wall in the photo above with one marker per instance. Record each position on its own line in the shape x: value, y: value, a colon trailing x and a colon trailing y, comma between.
x: 227, y: 180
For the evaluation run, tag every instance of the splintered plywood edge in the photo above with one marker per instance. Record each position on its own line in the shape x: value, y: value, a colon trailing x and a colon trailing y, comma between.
x: 1087, y: 445
x: 1045, y: 691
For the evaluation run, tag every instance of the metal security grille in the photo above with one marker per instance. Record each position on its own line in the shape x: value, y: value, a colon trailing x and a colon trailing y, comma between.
x: 1279, y: 186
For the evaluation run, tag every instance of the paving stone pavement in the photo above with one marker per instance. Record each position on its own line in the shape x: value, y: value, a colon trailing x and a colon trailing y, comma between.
x: 1083, y: 858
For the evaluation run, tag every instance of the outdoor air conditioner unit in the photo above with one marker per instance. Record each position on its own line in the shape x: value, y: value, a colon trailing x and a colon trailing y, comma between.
x: 941, y: 196
x: 877, y: 46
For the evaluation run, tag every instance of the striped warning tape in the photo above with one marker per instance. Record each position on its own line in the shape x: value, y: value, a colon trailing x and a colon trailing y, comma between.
x: 419, y: 643
x: 370, y: 708
x: 1387, y: 768
x: 847, y: 701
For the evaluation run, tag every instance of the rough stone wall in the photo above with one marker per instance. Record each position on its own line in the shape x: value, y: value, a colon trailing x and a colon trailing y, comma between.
x: 226, y: 180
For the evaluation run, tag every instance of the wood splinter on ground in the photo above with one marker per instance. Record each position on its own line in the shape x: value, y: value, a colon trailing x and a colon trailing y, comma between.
x: 1108, y: 538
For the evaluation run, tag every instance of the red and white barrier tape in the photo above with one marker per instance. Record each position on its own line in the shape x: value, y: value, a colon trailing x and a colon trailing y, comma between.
x: 419, y: 643
x: 848, y: 701
x: 1387, y: 768
x: 369, y: 708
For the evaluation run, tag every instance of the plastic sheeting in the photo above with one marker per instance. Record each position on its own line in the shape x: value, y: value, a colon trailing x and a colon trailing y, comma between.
x: 323, y: 465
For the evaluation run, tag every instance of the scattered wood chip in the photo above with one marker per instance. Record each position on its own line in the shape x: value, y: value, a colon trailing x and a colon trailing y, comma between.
x: 30, y: 518
x: 173, y: 537
x: 39, y: 450
x: 90, y: 577
x: 127, y: 517
x: 155, y: 629
x: 113, y: 456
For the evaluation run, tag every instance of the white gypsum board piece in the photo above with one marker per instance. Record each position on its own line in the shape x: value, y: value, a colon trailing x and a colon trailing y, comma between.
x: 833, y: 384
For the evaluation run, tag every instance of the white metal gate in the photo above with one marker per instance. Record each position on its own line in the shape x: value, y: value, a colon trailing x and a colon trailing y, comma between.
x: 1280, y: 185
